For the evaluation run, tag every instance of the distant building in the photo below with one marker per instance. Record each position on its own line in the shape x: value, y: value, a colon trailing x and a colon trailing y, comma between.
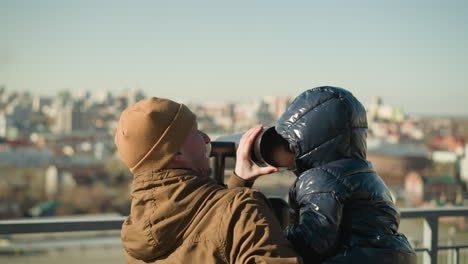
x: 10, y: 209
x: 263, y: 115
x: 62, y: 112
x: 40, y: 102
x: 21, y: 154
x: 411, y: 129
x: 245, y: 116
x: 444, y: 156
x: 215, y: 117
x: 20, y: 188
x: 277, y: 105
x: 3, y: 125
x: 447, y: 162
x: 440, y: 189
x: 387, y: 131
x: 464, y: 165
x: 81, y: 147
x: 394, y: 162
x: 56, y: 181
x: 60, y: 178
x: 443, y: 189
x: 378, y: 111
x: 448, y: 143
x: 414, y: 189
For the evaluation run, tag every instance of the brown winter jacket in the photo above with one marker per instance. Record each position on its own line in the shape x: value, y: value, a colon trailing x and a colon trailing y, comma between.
x: 178, y: 216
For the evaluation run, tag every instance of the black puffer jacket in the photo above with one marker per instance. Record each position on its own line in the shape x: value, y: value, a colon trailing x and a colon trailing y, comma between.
x: 341, y: 210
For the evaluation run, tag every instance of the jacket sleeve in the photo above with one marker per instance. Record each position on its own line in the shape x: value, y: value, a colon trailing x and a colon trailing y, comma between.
x: 316, y: 210
x: 256, y: 235
x: 236, y: 181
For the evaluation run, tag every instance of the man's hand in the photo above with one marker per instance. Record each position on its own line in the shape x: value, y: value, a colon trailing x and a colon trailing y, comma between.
x: 245, y: 167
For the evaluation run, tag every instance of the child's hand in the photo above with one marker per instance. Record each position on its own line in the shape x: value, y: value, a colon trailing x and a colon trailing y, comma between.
x: 245, y: 167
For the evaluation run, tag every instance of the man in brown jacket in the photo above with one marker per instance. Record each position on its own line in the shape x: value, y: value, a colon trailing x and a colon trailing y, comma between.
x: 178, y: 213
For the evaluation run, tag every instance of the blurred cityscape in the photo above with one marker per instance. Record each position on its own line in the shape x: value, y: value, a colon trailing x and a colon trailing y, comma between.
x: 57, y: 154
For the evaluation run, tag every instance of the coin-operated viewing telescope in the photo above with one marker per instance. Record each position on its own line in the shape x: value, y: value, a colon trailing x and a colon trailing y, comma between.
x: 269, y: 148
x: 272, y: 149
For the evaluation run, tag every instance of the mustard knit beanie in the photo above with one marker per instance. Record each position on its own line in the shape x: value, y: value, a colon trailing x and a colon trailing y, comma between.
x: 151, y: 132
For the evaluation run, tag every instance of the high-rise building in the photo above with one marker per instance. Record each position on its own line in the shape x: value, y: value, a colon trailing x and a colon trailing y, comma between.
x: 62, y: 110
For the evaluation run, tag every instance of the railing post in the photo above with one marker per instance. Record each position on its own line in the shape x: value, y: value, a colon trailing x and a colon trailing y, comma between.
x: 453, y: 254
x: 430, y: 239
x: 221, y: 150
x: 456, y: 256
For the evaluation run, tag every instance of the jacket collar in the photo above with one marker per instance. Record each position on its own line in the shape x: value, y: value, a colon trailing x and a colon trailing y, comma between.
x: 163, y: 174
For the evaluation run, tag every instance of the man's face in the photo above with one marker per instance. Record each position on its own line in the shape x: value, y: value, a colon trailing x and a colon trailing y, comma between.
x: 195, y: 150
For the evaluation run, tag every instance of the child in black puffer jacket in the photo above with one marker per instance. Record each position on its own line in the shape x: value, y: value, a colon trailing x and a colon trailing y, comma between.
x: 341, y: 210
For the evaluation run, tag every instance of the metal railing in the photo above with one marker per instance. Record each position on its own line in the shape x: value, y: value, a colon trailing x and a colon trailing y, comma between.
x: 60, y: 224
x: 430, y: 242
x: 430, y: 247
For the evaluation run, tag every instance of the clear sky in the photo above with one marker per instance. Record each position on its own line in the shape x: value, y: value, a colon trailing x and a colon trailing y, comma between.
x: 414, y: 54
